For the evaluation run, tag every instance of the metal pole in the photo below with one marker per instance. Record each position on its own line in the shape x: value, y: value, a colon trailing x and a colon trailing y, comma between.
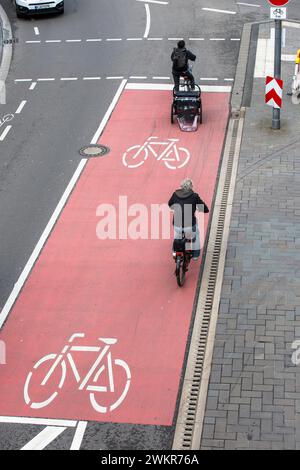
x: 277, y: 69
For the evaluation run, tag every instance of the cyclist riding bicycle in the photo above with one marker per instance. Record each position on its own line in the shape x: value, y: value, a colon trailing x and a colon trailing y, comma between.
x: 184, y: 202
x: 180, y: 57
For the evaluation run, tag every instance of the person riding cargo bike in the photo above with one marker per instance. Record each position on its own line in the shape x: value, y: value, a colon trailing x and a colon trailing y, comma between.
x: 180, y: 58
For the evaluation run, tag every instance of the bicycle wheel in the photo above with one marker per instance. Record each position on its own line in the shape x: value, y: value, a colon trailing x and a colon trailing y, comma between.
x: 113, y: 393
x: 180, y: 158
x: 180, y: 271
x: 133, y: 158
x: 38, y: 388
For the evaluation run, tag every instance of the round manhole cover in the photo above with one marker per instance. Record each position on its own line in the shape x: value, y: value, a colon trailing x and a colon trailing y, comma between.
x: 94, y: 151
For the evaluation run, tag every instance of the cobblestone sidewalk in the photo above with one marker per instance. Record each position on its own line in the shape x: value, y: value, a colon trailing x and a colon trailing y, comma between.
x: 254, y: 391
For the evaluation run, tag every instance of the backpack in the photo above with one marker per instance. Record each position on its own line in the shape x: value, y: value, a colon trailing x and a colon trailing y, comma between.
x: 180, y: 58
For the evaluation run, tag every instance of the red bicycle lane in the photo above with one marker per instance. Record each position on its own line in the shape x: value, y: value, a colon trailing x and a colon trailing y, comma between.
x: 113, y: 288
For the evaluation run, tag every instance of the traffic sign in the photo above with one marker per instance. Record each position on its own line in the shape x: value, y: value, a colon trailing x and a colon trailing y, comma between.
x: 278, y: 3
x: 273, y: 95
x: 278, y: 13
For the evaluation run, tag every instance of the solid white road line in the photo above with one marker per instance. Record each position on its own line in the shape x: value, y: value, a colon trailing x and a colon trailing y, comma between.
x: 5, y: 132
x: 165, y: 86
x: 38, y: 248
x: 148, y: 21
x: 44, y: 438
x: 219, y: 11
x: 21, y: 106
x: 79, y: 433
x: 38, y: 421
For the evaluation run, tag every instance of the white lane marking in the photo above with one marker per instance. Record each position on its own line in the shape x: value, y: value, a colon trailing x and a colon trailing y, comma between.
x: 164, y: 86
x: 79, y: 433
x: 175, y: 39
x: 53, y: 40
x: 38, y: 421
x: 21, y: 106
x: 196, y: 39
x: 36, y: 31
x: 44, y: 438
x: 134, y: 39
x: 38, y: 248
x: 33, y: 42
x: 217, y: 39
x: 94, y: 40
x: 46, y: 79
x: 32, y: 86
x: 113, y: 39
x: 235, y: 39
x: 219, y: 11
x: 248, y: 4
x: 136, y: 77
x: 114, y: 78
x: 153, y: 1
x: 69, y: 79
x: 73, y: 40
x: 155, y: 39
x: 109, y: 112
x: 5, y: 132
x: 209, y: 79
x: 23, y: 80
x: 228, y: 79
x: 91, y: 78
x: 161, y: 78
x: 148, y: 21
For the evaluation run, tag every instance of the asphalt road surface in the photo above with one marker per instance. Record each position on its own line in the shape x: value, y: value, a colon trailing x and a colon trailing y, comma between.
x: 64, y: 75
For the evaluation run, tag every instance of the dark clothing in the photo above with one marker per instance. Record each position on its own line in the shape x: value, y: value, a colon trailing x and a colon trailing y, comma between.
x: 178, y: 71
x: 185, y: 203
x: 189, y: 56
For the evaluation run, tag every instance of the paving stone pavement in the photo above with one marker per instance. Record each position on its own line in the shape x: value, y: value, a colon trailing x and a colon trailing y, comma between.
x: 254, y: 391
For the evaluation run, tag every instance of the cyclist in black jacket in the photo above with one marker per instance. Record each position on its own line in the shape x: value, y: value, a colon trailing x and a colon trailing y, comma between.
x: 184, y: 202
x: 180, y: 58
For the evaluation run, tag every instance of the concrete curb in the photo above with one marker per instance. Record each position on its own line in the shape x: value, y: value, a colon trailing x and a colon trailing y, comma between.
x: 6, y: 34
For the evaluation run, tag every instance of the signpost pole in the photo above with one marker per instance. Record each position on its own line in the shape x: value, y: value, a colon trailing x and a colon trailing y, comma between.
x: 277, y: 69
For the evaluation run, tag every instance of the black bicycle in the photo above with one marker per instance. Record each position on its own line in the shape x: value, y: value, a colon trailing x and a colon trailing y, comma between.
x: 182, y: 259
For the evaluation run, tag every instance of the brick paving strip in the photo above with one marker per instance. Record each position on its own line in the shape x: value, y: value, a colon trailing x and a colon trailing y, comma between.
x: 253, y: 399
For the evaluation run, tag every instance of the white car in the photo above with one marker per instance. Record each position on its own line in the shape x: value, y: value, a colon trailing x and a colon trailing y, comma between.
x: 34, y: 7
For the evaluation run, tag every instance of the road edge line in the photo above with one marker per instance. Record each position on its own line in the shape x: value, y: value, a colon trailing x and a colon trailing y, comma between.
x: 55, y: 216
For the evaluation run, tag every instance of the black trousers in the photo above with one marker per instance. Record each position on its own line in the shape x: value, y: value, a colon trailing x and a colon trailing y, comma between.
x: 177, y: 75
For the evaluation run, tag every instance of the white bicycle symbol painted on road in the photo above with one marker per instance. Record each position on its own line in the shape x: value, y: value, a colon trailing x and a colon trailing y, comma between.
x: 174, y: 157
x: 6, y: 118
x: 103, y: 363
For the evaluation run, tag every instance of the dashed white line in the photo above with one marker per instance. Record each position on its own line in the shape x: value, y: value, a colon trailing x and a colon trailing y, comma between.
x: 161, y: 78
x: 5, y: 132
x: 73, y: 40
x: 153, y: 1
x: 114, y: 78
x: 44, y: 438
x: 134, y: 39
x: 235, y: 39
x: 46, y: 79
x: 219, y: 11
x: 32, y: 86
x: 248, y: 4
x: 91, y: 78
x: 113, y: 39
x: 196, y: 39
x: 175, y: 39
x: 69, y: 79
x: 79, y: 433
x: 136, y: 77
x: 33, y: 42
x: 217, y: 39
x: 23, y: 80
x: 155, y: 39
x: 36, y: 31
x: 209, y: 79
x: 94, y: 40
x: 53, y: 40
x: 21, y: 106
